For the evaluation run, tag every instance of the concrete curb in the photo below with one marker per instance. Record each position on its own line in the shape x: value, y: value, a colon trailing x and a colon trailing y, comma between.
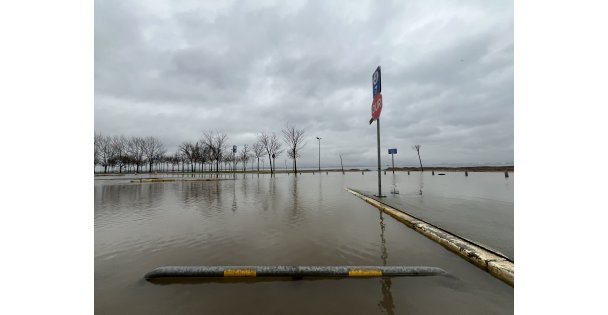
x: 497, y: 265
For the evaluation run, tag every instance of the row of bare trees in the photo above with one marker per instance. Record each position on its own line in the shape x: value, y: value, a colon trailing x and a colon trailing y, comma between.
x: 209, y: 153
x: 120, y: 152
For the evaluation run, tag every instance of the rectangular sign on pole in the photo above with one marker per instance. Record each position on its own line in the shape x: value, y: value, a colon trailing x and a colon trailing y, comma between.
x: 392, y: 152
x: 376, y: 82
x: 377, y: 95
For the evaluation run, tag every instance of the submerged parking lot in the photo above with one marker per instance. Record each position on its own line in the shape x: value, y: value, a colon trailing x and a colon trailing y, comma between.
x: 305, y: 220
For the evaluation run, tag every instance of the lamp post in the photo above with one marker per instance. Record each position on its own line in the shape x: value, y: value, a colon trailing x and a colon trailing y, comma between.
x: 319, y: 154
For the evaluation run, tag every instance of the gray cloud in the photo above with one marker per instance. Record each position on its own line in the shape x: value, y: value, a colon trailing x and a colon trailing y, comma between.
x: 172, y: 70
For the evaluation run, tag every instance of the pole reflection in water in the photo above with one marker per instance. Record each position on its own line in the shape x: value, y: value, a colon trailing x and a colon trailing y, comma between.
x: 421, y: 183
x: 386, y: 304
x: 244, y: 186
x: 320, y: 189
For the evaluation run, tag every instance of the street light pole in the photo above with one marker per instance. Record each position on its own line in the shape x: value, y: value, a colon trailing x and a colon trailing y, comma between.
x: 319, y: 154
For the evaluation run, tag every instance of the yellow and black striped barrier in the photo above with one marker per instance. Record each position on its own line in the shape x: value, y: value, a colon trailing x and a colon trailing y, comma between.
x: 292, y: 271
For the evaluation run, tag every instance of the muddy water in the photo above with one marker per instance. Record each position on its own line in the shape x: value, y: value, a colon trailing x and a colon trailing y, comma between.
x: 478, y: 207
x: 308, y: 220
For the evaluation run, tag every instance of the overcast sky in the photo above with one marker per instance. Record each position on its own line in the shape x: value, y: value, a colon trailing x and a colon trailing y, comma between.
x: 172, y: 69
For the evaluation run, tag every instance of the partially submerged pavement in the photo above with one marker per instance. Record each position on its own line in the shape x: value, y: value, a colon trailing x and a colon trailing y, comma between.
x: 485, y: 221
x: 497, y: 264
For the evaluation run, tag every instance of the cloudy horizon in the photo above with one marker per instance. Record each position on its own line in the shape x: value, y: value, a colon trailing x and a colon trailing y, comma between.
x: 174, y: 70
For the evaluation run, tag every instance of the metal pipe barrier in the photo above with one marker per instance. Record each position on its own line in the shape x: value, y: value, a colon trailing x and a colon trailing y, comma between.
x: 292, y: 271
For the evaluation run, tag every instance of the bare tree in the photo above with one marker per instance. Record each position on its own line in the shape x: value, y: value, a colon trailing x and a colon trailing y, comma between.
x: 216, y: 141
x: 228, y: 159
x: 220, y: 145
x: 207, y: 156
x: 119, y: 149
x: 162, y: 162
x: 174, y: 160
x: 97, y: 148
x: 275, y: 148
x: 105, y: 152
x: 187, y: 151
x: 182, y: 159
x: 264, y: 141
x: 272, y: 146
x: 129, y: 161
x: 153, y: 149
x: 294, y: 138
x: 341, y: 165
x: 203, y: 154
x: 416, y: 148
x: 135, y: 149
x: 244, y: 156
x: 258, y: 152
x: 197, y: 154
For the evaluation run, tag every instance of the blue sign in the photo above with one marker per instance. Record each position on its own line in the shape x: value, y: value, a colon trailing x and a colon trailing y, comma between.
x: 376, y: 82
x: 392, y: 151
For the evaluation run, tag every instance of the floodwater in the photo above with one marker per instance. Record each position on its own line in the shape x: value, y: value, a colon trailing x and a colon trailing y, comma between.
x: 479, y: 208
x: 303, y: 220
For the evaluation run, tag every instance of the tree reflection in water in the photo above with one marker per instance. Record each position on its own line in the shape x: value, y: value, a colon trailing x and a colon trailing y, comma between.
x: 421, y: 184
